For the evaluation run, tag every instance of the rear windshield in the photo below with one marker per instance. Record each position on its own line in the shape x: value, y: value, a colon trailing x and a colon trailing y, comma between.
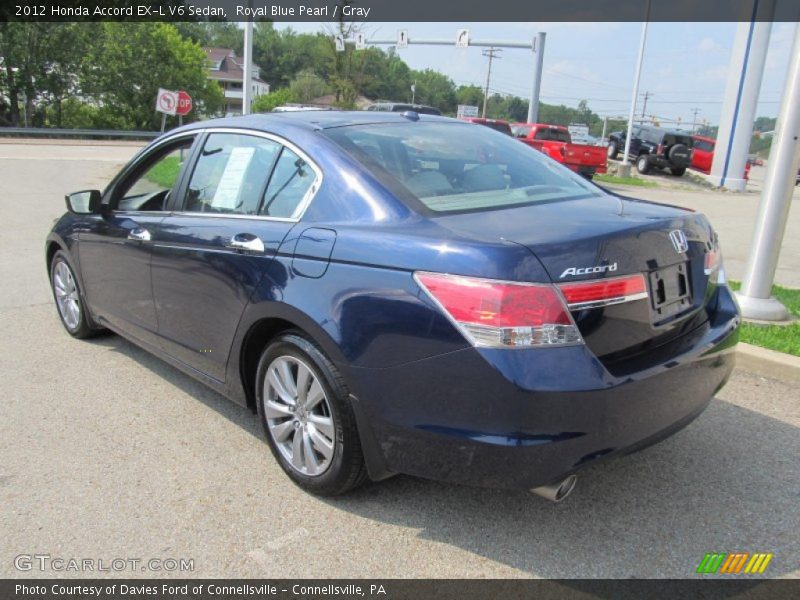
x: 704, y: 145
x: 553, y: 135
x: 501, y: 127
x: 453, y: 167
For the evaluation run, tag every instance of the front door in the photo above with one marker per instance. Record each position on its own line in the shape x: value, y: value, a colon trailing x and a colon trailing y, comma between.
x: 243, y: 197
x: 115, y: 253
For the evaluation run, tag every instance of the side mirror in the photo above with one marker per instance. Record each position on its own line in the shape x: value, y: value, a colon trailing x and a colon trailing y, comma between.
x: 86, y: 202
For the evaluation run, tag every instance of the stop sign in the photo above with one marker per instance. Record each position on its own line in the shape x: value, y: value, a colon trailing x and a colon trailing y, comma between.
x: 184, y: 104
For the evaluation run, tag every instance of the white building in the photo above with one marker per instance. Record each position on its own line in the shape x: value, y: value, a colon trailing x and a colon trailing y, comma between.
x: 228, y: 69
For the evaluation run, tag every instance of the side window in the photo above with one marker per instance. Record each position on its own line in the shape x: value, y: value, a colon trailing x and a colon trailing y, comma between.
x: 231, y: 174
x: 289, y: 185
x: 149, y: 188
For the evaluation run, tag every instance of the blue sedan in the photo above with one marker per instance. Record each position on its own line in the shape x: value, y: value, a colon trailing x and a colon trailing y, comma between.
x: 403, y: 293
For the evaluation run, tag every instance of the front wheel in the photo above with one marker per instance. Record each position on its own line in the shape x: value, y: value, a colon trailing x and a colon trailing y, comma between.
x: 613, y: 150
x: 643, y: 165
x: 305, y: 409
x: 68, y: 299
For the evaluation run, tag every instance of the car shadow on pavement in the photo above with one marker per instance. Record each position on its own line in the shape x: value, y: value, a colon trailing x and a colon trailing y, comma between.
x: 729, y: 482
x: 235, y: 413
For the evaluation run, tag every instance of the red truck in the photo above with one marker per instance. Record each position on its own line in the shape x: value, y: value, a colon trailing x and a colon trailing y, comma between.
x: 556, y: 142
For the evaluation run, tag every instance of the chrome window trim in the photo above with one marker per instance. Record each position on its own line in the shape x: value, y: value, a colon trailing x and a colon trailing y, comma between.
x: 301, y: 208
x: 607, y: 301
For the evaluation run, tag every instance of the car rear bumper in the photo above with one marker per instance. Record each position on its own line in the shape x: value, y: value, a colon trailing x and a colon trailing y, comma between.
x: 525, y: 418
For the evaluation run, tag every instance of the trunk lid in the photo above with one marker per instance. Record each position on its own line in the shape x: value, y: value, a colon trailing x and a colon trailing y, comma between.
x: 608, y: 236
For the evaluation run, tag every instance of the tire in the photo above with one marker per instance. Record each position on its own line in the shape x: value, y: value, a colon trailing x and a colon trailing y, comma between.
x: 678, y: 172
x: 643, y: 164
x: 69, y: 299
x: 679, y: 154
x: 317, y: 445
x: 613, y: 150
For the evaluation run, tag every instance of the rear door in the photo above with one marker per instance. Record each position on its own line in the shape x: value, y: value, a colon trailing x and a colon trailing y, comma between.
x: 243, y: 195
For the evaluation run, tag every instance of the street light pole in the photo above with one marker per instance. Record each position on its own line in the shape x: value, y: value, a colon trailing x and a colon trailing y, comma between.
x: 538, y: 63
x: 635, y: 93
x: 776, y: 199
x: 247, y: 84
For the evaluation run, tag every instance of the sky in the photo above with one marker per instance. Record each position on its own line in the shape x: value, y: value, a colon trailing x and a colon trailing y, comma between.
x: 685, y: 64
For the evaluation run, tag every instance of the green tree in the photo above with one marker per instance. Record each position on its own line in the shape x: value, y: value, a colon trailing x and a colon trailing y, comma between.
x: 470, y: 95
x: 267, y: 102
x: 38, y: 67
x: 128, y: 62
x: 435, y: 89
x: 307, y: 85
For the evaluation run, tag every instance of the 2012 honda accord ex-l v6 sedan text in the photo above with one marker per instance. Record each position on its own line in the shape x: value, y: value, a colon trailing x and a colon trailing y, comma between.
x: 403, y: 293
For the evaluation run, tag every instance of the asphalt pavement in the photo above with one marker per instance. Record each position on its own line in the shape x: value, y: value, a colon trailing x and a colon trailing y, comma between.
x: 108, y: 453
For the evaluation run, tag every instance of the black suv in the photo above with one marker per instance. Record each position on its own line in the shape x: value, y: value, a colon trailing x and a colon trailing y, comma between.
x: 654, y: 147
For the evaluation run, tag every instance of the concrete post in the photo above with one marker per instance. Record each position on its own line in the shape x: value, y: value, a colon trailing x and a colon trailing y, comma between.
x: 776, y: 199
x: 741, y: 98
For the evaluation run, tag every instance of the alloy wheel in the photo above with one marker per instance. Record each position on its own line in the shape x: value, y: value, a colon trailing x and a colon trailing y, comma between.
x: 66, y: 292
x: 299, y: 416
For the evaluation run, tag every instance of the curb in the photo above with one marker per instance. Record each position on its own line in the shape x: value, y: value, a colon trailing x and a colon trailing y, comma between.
x: 769, y: 363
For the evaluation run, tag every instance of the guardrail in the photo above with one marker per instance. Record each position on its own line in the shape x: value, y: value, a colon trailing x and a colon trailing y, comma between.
x: 106, y: 134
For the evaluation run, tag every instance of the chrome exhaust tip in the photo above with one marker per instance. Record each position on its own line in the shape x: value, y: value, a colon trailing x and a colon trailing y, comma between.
x: 556, y: 492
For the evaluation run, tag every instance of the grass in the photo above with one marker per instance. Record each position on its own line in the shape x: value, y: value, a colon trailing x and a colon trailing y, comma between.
x: 784, y: 338
x: 603, y: 178
x: 165, y: 172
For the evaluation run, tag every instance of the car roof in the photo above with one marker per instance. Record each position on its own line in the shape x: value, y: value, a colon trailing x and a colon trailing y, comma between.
x: 309, y: 120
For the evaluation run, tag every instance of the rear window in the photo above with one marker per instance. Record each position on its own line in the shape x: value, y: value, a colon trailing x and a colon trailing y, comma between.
x: 521, y: 131
x: 704, y: 145
x: 501, y: 127
x: 451, y: 167
x: 552, y: 135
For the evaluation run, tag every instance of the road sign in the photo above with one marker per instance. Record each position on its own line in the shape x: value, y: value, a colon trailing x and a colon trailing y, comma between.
x: 462, y: 38
x: 339, y: 41
x: 402, y: 38
x: 184, y: 104
x: 465, y: 111
x: 167, y: 101
x: 361, y: 41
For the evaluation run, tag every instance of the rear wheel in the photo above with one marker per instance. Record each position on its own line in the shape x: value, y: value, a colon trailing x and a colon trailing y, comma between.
x: 643, y: 165
x: 613, y: 150
x: 304, y: 406
x: 67, y: 295
x: 678, y: 171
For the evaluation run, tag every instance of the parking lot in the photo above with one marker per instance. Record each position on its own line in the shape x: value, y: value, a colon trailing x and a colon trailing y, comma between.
x: 109, y: 453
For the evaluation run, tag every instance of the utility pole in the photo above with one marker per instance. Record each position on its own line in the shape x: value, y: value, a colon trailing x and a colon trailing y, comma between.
x: 694, y: 118
x: 491, y: 53
x: 646, y: 95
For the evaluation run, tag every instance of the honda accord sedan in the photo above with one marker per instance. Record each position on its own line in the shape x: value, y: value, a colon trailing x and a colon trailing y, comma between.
x: 403, y: 293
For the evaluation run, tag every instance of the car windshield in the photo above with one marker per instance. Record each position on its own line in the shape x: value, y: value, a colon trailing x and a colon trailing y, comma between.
x: 452, y: 167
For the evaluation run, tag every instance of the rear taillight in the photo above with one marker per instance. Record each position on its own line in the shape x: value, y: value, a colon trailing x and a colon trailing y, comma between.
x: 502, y: 314
x: 713, y: 266
x: 604, y: 292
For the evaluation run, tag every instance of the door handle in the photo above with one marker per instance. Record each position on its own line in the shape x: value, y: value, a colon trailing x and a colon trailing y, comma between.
x: 140, y: 234
x: 246, y: 241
